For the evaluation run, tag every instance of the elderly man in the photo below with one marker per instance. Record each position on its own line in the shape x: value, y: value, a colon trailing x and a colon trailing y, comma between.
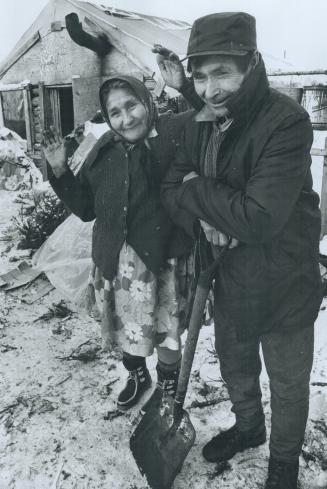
x: 243, y: 172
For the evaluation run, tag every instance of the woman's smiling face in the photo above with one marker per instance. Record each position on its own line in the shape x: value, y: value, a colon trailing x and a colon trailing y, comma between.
x: 127, y: 114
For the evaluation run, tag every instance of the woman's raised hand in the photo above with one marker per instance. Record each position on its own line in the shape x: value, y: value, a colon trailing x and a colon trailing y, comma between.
x: 55, y: 150
x: 172, y: 70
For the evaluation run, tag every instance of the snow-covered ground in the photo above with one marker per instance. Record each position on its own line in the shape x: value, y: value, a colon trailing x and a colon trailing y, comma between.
x: 59, y: 427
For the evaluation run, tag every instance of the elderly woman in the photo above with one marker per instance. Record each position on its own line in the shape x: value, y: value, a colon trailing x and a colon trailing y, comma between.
x: 139, y: 283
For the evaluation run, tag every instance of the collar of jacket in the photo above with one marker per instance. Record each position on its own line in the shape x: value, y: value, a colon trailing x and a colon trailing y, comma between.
x: 245, y: 101
x: 110, y: 138
x: 249, y: 97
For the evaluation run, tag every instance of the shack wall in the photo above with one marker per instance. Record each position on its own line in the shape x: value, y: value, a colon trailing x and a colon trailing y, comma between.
x: 86, y: 88
x: 53, y: 60
x: 56, y: 59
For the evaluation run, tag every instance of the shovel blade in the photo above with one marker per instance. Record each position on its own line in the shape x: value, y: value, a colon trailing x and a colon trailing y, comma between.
x: 159, y: 446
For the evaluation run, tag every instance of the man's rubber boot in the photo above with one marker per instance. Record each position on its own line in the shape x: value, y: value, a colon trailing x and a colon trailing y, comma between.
x: 226, y: 444
x: 282, y: 475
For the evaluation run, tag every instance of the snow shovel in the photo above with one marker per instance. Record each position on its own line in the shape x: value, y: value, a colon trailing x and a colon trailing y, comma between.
x: 165, y: 434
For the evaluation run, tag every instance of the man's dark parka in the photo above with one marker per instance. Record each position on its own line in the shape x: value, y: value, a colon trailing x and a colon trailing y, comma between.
x: 262, y: 195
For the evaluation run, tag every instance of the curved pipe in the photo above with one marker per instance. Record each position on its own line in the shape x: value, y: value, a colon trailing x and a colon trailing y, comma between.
x: 98, y: 44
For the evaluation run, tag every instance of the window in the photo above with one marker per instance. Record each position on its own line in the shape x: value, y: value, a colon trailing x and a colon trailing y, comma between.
x: 13, y: 111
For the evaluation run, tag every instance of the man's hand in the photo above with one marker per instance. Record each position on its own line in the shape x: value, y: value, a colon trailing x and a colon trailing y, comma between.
x: 55, y: 150
x: 216, y: 237
x: 172, y: 70
x: 189, y: 176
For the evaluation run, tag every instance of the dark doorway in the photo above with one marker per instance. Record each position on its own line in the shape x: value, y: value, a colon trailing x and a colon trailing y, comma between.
x: 66, y: 110
x: 62, y: 109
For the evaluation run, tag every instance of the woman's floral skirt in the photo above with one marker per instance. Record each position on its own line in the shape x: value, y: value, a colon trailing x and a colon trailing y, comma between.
x: 139, y: 310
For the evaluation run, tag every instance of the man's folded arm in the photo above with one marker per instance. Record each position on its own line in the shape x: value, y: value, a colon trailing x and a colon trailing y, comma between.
x: 172, y: 181
x: 258, y: 212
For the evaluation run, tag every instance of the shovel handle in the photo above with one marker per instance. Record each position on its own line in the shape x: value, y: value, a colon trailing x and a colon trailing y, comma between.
x: 195, y: 323
x: 200, y: 298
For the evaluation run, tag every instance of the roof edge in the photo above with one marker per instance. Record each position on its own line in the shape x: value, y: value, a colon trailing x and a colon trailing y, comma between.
x: 4, y: 67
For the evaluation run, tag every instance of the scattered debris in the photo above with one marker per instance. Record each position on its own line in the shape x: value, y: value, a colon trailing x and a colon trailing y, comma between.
x: 22, y: 275
x: 16, y: 258
x: 116, y: 413
x: 4, y: 348
x: 9, y: 408
x: 59, y: 329
x: 47, y: 287
x: 34, y: 404
x: 308, y: 457
x: 3, y: 320
x: 59, y: 310
x: 55, y: 484
x: 314, y: 448
x: 220, y: 468
x: 65, y: 474
x: 40, y: 406
x: 84, y: 354
x: 108, y: 387
x: 64, y: 380
x: 321, y: 426
x: 205, y: 390
x: 315, y: 455
x: 206, y: 403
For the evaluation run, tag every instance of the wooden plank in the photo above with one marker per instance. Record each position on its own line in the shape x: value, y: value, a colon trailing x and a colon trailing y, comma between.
x: 55, y: 109
x: 42, y: 116
x: 323, y: 202
x: 59, y: 85
x: 40, y: 110
x: 21, y: 51
x: 2, y: 121
x: 19, y: 276
x: 35, y: 101
x: 298, y: 73
x: 86, y: 97
x: 28, y: 118
x: 318, y: 152
x: 38, y: 138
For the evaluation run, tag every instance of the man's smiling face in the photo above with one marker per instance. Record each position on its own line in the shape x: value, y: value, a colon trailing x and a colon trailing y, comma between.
x: 216, y: 79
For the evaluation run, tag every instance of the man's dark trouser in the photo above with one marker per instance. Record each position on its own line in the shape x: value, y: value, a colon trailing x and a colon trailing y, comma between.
x: 288, y: 358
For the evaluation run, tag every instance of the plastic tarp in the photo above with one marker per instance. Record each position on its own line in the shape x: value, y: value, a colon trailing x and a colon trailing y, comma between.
x: 65, y: 257
x: 17, y: 170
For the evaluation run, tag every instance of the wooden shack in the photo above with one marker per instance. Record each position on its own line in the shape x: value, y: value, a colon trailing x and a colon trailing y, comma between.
x: 50, y: 79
